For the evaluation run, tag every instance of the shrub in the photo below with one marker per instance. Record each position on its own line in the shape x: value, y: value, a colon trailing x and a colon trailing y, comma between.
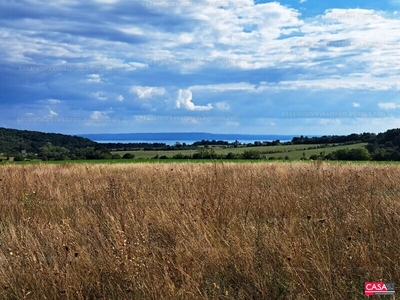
x: 179, y: 156
x: 197, y: 156
x: 204, y: 153
x: 251, y: 154
x: 231, y: 155
x: 128, y: 156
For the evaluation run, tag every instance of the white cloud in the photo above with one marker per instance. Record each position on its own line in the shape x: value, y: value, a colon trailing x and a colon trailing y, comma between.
x: 249, y: 30
x: 144, y: 92
x: 98, y: 118
x: 222, y: 106
x: 362, y: 37
x: 50, y: 101
x: 232, y: 124
x: 366, y: 82
x: 93, y: 78
x: 186, y: 38
x: 137, y: 65
x: 329, y: 122
x: 98, y: 115
x: 185, y: 101
x: 99, y: 96
x: 388, y: 105
x: 52, y: 113
x: 132, y: 30
x: 233, y: 33
x: 240, y: 86
x: 107, y: 1
x: 354, y: 50
x: 190, y: 120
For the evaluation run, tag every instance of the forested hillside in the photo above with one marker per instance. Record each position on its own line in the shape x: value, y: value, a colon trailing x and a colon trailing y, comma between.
x: 14, y: 141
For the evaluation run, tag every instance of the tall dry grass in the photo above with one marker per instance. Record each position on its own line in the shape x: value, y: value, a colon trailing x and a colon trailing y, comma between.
x: 205, y: 231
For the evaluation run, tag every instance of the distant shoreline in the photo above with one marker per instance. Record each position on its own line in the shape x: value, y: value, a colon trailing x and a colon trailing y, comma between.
x: 181, y: 137
x: 173, y: 142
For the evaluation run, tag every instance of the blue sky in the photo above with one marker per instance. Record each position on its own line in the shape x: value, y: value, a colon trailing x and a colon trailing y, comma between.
x: 256, y: 67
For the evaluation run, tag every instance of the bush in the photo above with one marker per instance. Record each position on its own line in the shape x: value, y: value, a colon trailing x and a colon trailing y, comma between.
x: 251, y: 154
x: 197, y: 156
x: 204, y: 153
x: 128, y: 156
x: 353, y: 154
x: 19, y: 158
x: 360, y: 154
x: 116, y: 156
x: 230, y: 155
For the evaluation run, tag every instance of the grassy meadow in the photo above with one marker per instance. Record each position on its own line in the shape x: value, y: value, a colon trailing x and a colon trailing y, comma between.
x: 293, y: 152
x: 279, y: 152
x: 197, y: 231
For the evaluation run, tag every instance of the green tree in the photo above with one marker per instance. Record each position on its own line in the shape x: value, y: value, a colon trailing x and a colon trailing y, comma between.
x: 251, y: 154
x: 231, y: 155
x: 359, y: 154
x: 51, y: 152
x: 204, y: 153
x: 19, y: 158
x: 128, y: 156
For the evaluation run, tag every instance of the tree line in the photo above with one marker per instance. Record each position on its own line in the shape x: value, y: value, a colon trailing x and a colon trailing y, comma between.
x: 54, y: 146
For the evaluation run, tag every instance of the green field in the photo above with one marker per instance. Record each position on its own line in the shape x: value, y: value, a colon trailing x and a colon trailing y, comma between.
x: 292, y: 151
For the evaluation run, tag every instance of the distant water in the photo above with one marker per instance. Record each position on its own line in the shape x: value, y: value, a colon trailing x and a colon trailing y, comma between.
x: 171, y: 143
x: 182, y: 137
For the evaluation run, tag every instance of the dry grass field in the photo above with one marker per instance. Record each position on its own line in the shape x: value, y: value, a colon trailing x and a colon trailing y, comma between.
x: 197, y: 231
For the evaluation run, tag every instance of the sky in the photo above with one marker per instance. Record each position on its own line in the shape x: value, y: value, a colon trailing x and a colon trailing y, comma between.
x: 242, y: 66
